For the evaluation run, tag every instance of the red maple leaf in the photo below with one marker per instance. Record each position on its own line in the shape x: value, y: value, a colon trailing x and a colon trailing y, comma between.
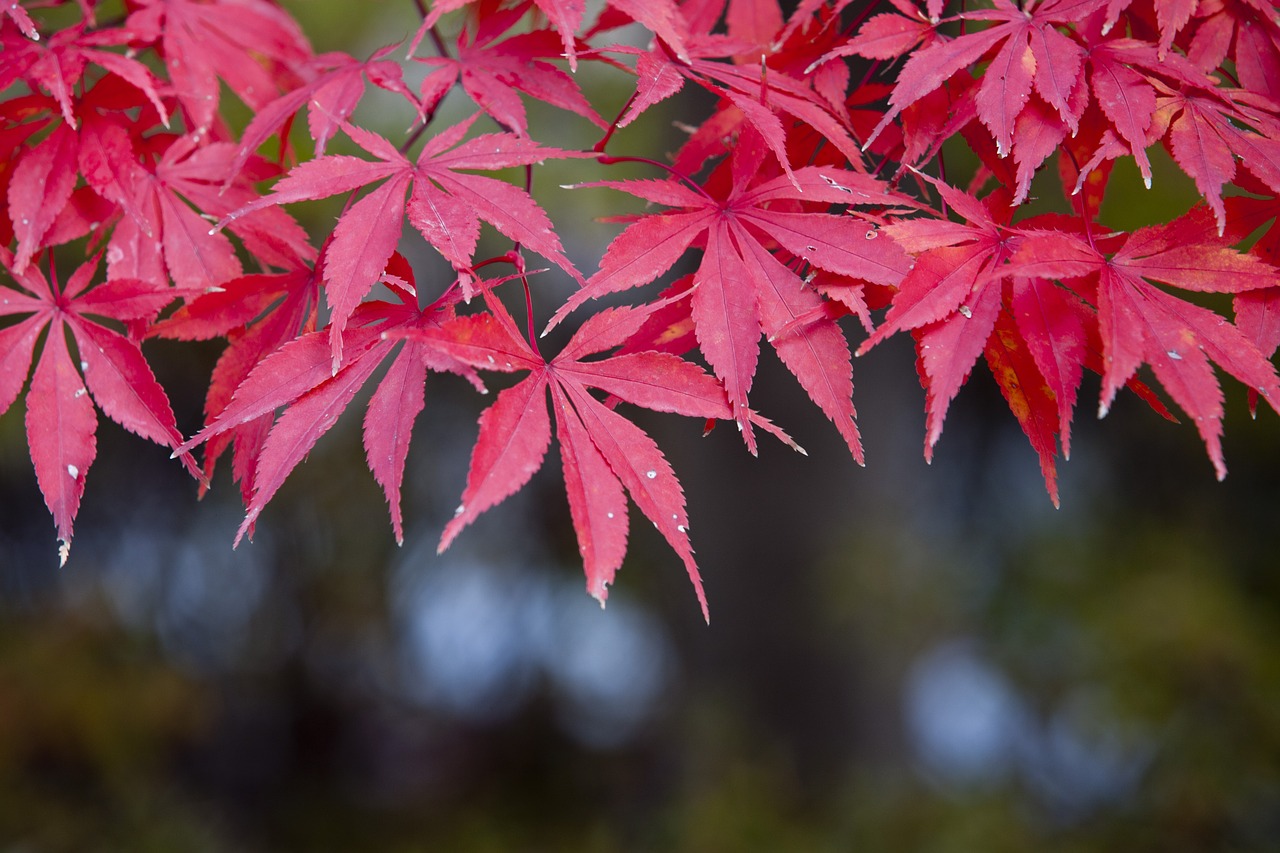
x: 61, y: 422
x: 39, y: 188
x: 1169, y: 17
x: 743, y: 289
x: 58, y: 65
x: 1141, y: 323
x: 565, y: 15
x: 1127, y: 77
x: 22, y: 20
x: 494, y: 71
x: 445, y: 205
x: 300, y: 377
x: 1205, y: 138
x: 1031, y: 397
x: 950, y: 295
x: 663, y: 18
x: 888, y: 36
x: 336, y: 87
x: 760, y: 94
x: 602, y: 452
x: 1026, y: 50
x: 1258, y: 311
x: 164, y: 232
x: 253, y: 46
x: 1247, y: 31
x: 47, y: 204
x: 257, y: 314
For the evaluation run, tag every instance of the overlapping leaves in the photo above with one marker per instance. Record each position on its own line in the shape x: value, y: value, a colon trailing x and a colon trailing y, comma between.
x: 113, y: 140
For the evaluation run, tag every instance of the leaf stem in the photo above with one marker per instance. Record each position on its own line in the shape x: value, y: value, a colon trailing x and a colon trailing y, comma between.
x: 1084, y: 199
x: 437, y: 41
x: 416, y: 135
x: 872, y: 70
x: 607, y: 160
x: 517, y: 260
x: 613, y: 127
x: 942, y: 175
x: 858, y: 21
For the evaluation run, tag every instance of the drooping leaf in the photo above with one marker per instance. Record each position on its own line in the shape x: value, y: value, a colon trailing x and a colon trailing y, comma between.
x: 739, y: 271
x: 445, y: 205
x: 1140, y: 323
x: 251, y: 45
x: 494, y: 70
x: 61, y: 421
x: 602, y: 452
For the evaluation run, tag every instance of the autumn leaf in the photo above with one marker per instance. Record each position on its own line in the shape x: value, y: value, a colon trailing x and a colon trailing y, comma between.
x: 603, y: 453
x: 743, y: 289
x: 1141, y: 323
x: 112, y: 373
x: 951, y: 296
x: 446, y: 205
x: 1026, y: 50
x: 494, y: 70
x: 299, y: 378
x: 337, y: 86
x: 251, y: 45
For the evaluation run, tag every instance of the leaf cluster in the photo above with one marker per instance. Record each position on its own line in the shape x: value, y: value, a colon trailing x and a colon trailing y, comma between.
x: 815, y: 187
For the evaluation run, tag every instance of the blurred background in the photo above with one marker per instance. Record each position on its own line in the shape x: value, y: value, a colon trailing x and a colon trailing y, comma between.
x: 901, y: 657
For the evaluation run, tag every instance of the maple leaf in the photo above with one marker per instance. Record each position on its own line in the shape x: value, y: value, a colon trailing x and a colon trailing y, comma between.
x: 251, y: 45
x: 1258, y: 311
x: 1141, y: 323
x: 889, y: 36
x: 257, y: 314
x: 40, y: 186
x: 755, y: 22
x: 950, y: 295
x: 1248, y: 32
x: 1057, y: 330
x: 663, y: 18
x: 60, y: 419
x: 300, y: 377
x: 22, y: 20
x: 565, y: 15
x: 164, y: 232
x: 979, y: 287
x: 58, y: 65
x: 336, y: 87
x: 1125, y: 75
x: 759, y: 96
x: 445, y: 205
x: 492, y: 71
x: 603, y: 453
x: 743, y: 290
x: 1205, y: 139
x: 1170, y: 16
x: 1031, y: 397
x: 1029, y: 51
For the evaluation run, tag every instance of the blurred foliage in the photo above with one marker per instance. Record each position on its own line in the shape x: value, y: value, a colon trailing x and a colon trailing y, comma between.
x: 92, y: 722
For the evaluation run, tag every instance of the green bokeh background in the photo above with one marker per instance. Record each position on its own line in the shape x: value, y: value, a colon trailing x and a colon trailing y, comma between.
x: 902, y: 657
